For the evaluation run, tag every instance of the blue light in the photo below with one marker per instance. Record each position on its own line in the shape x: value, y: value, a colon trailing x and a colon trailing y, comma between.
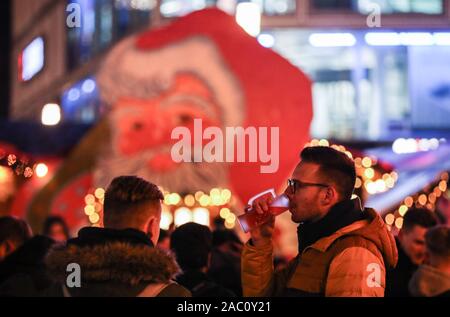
x: 88, y: 86
x: 74, y: 94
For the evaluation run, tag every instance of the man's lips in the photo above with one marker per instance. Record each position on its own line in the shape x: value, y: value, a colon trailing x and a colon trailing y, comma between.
x: 291, y: 206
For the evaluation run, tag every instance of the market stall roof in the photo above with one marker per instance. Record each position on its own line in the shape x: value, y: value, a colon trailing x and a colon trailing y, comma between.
x: 415, y: 172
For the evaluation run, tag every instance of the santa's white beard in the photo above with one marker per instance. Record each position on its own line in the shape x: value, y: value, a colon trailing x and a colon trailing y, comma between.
x: 184, y: 178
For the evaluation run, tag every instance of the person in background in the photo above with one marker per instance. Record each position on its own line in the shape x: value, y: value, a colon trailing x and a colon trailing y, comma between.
x: 411, y: 250
x: 433, y: 278
x: 164, y: 240
x: 225, y: 268
x: 120, y: 260
x: 22, y: 268
x: 56, y: 228
x: 13, y: 233
x: 192, y: 245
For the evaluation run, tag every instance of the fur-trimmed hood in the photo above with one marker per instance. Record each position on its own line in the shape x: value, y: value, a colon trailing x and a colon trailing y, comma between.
x: 103, y: 257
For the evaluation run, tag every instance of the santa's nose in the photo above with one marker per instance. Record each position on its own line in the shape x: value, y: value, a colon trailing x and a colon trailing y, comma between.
x: 158, y: 129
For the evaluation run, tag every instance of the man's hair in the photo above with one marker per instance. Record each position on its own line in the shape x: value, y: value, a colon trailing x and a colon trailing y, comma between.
x: 419, y: 217
x: 222, y: 236
x: 55, y: 220
x: 437, y: 240
x: 14, y: 230
x: 192, y: 245
x: 125, y: 197
x: 335, y: 167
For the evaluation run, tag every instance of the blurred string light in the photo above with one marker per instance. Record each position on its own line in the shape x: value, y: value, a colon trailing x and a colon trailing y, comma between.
x: 200, y: 215
x: 18, y: 165
x: 183, y: 215
x: 224, y: 212
x: 427, y: 198
x: 198, y: 207
x: 366, y: 171
x: 166, y: 218
x: 189, y: 200
x: 93, y: 208
x: 6, y: 183
x: 41, y: 170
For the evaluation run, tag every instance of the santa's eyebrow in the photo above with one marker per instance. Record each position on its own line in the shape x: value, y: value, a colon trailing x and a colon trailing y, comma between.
x: 199, y: 102
x: 119, y: 111
x: 143, y: 88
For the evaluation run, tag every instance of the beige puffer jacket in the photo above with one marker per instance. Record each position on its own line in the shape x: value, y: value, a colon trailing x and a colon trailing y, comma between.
x: 351, y: 262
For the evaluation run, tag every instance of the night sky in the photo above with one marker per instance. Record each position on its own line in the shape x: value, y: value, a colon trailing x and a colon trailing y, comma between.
x: 5, y: 41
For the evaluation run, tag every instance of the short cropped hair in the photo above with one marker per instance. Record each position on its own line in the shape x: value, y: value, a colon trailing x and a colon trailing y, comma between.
x: 55, y: 220
x: 192, y: 245
x: 437, y: 240
x: 14, y: 230
x: 334, y: 166
x: 125, y: 197
x: 419, y: 217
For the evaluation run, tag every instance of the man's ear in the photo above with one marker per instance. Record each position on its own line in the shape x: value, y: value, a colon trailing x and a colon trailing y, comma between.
x: 2, y: 251
x: 6, y: 248
x: 153, y: 229
x: 329, y: 196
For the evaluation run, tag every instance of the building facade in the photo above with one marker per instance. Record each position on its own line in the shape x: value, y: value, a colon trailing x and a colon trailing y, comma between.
x: 378, y: 66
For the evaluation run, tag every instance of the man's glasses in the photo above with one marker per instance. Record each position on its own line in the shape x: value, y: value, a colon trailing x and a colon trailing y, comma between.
x: 295, y: 184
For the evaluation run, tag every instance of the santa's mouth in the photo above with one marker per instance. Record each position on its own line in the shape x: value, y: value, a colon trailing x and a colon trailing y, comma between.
x: 162, y: 163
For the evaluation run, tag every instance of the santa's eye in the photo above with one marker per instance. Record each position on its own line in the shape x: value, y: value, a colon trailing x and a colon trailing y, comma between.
x: 185, y: 118
x: 137, y: 126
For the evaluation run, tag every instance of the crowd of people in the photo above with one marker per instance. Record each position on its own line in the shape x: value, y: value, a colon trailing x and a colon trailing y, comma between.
x: 344, y: 249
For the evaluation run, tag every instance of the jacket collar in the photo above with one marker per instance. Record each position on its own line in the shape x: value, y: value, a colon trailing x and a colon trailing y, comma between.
x: 98, y: 236
x: 323, y: 244
x: 371, y: 228
x: 340, y: 215
x: 106, y: 256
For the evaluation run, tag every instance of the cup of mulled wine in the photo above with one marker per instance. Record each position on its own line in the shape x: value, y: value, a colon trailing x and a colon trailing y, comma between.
x: 251, y: 219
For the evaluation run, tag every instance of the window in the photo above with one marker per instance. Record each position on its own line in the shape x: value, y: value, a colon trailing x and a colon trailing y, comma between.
x: 103, y: 23
x: 434, y: 7
x: 360, y: 91
x: 177, y: 8
x: 31, y: 60
x: 279, y: 7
